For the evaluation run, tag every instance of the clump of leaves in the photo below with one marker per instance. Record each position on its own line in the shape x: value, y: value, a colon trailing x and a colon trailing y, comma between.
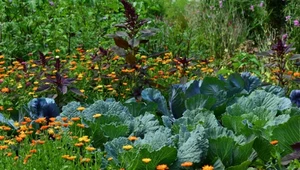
x: 279, y: 58
x: 59, y: 81
x: 128, y: 41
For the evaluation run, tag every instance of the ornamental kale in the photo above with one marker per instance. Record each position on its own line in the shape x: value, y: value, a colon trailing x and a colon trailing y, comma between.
x: 295, y: 97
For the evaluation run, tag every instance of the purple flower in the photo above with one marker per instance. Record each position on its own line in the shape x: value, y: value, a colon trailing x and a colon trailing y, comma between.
x: 221, y: 4
x: 284, y: 37
x: 287, y: 18
x: 261, y: 4
x: 252, y: 8
x: 296, y: 23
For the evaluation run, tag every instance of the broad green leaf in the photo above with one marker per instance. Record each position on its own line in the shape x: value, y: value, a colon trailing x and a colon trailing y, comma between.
x: 193, y: 148
x: 115, y: 147
x: 154, y: 95
x: 263, y: 148
x: 145, y: 123
x: 277, y: 90
x: 114, y: 131
x: 177, y: 101
x: 251, y: 82
x: 243, y: 153
x: 287, y: 134
x: 138, y: 108
x: 212, y: 86
x: 256, y: 99
x: 222, y: 148
x: 157, y: 139
x: 165, y: 155
x: 200, y: 101
x: 241, y: 166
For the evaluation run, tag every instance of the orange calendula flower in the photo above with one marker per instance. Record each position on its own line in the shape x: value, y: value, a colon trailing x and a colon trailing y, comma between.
x: 80, y: 125
x: 83, y: 160
x: 33, y: 151
x: 80, y: 108
x: 6, y: 128
x: 19, y: 139
x: 41, y: 120
x: 2, y: 147
x: 79, y: 144
x: 65, y: 156
x: 44, y: 127
x: 71, y: 158
x: 2, y: 137
x: 64, y: 119
x: 75, y: 118
x: 5, y: 90
x: 162, y: 167
x: 187, y: 164
x: 9, y: 154
x: 146, y: 160
x: 52, y: 119
x: 274, y: 142
x: 132, y: 138
x: 89, y: 148
x: 207, y: 167
x: 127, y: 147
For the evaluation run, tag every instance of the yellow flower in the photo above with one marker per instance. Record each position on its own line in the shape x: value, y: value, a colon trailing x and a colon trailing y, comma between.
x: 89, y: 148
x: 127, y: 147
x: 207, y: 167
x: 84, y: 139
x: 65, y: 156
x: 85, y: 160
x: 187, y: 164
x: 146, y: 160
x: 71, y: 158
x: 97, y: 115
x: 80, y: 125
x: 51, y: 131
x: 80, y: 108
x: 110, y: 158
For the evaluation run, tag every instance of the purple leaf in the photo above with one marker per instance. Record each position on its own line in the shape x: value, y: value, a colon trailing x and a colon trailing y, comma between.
x: 43, y: 88
x: 76, y: 91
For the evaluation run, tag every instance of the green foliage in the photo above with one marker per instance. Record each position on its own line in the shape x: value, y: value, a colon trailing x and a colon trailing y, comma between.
x: 287, y: 134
